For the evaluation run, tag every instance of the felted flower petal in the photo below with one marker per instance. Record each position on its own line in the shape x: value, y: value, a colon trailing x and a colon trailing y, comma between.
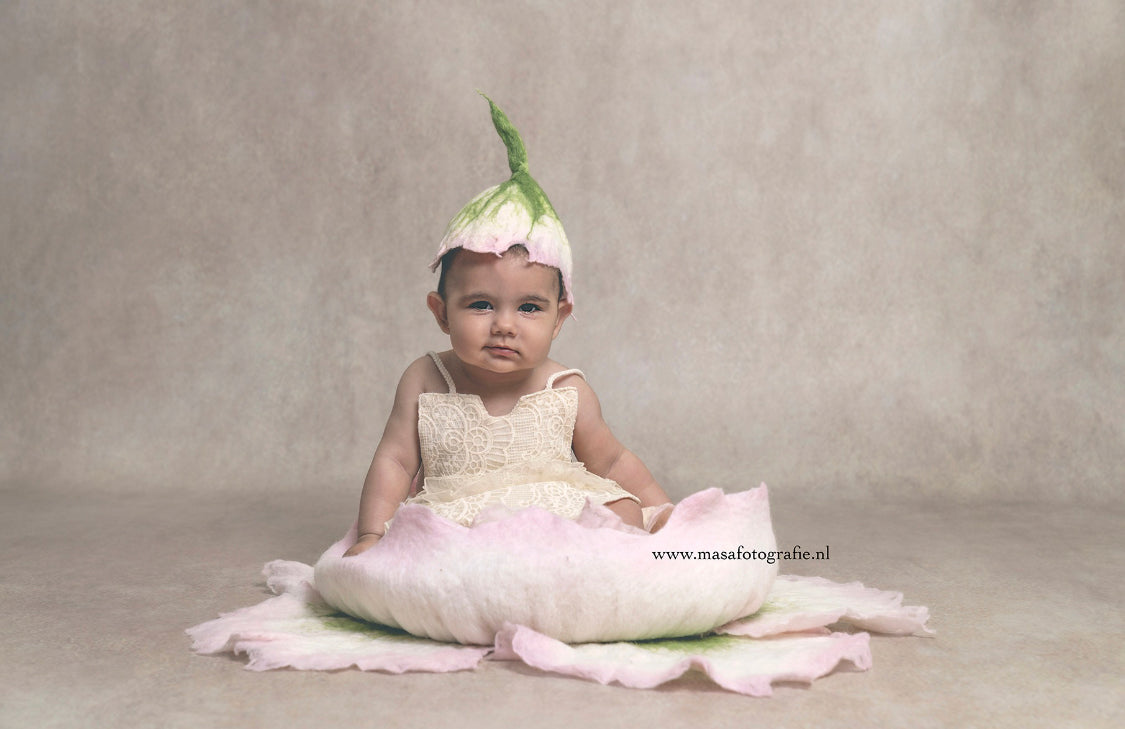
x: 286, y: 631
x: 798, y: 603
x: 294, y: 578
x: 738, y: 664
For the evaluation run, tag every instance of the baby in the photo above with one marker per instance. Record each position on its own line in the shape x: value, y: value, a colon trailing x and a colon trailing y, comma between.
x: 493, y: 421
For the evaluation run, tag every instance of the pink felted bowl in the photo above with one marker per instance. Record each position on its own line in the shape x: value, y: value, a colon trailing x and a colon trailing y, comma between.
x: 575, y: 581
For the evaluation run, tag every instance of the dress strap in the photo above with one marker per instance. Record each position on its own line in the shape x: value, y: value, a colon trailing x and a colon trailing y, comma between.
x: 444, y: 372
x: 564, y: 373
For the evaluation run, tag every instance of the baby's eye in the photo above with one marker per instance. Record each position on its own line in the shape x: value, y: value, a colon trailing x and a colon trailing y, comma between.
x: 530, y: 308
x: 481, y: 305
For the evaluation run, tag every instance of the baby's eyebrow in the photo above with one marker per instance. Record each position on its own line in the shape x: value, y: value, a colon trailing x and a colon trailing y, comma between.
x: 482, y: 295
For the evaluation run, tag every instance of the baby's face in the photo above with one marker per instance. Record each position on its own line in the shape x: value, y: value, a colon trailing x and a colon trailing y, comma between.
x: 501, y: 312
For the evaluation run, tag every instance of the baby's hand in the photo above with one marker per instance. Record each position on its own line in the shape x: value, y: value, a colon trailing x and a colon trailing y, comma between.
x: 364, y: 543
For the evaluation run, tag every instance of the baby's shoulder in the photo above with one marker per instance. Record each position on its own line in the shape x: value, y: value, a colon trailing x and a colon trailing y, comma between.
x: 421, y: 375
x: 589, y: 407
x: 560, y: 375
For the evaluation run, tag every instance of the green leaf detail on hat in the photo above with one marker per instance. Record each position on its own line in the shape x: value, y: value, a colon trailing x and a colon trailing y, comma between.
x: 515, y: 212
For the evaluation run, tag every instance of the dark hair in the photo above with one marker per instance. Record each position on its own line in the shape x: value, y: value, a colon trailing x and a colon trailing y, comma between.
x: 450, y: 255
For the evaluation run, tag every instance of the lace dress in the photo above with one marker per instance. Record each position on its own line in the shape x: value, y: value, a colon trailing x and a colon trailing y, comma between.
x: 473, y: 460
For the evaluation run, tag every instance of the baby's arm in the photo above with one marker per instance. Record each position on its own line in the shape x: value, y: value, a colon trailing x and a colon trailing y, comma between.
x: 396, y: 461
x: 596, y: 446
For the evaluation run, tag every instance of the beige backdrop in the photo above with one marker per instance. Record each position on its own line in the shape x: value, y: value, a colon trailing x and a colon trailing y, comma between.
x: 851, y: 249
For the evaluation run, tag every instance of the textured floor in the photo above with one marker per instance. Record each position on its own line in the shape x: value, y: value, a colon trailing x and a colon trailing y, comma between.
x: 97, y: 589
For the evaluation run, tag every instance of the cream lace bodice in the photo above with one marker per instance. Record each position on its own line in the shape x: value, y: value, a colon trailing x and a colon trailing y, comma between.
x: 472, y: 459
x: 459, y: 437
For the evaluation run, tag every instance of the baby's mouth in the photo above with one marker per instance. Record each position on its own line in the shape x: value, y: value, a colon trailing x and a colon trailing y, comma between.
x: 499, y: 349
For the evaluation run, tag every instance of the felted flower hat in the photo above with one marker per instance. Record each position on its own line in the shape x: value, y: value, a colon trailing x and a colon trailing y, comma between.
x: 514, y: 212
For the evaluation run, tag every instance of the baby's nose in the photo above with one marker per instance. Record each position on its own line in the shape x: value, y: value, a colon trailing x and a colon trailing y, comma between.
x: 504, y: 321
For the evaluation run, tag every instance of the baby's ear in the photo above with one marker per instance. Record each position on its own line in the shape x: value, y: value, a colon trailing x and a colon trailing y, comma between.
x: 437, y: 306
x: 565, y: 307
